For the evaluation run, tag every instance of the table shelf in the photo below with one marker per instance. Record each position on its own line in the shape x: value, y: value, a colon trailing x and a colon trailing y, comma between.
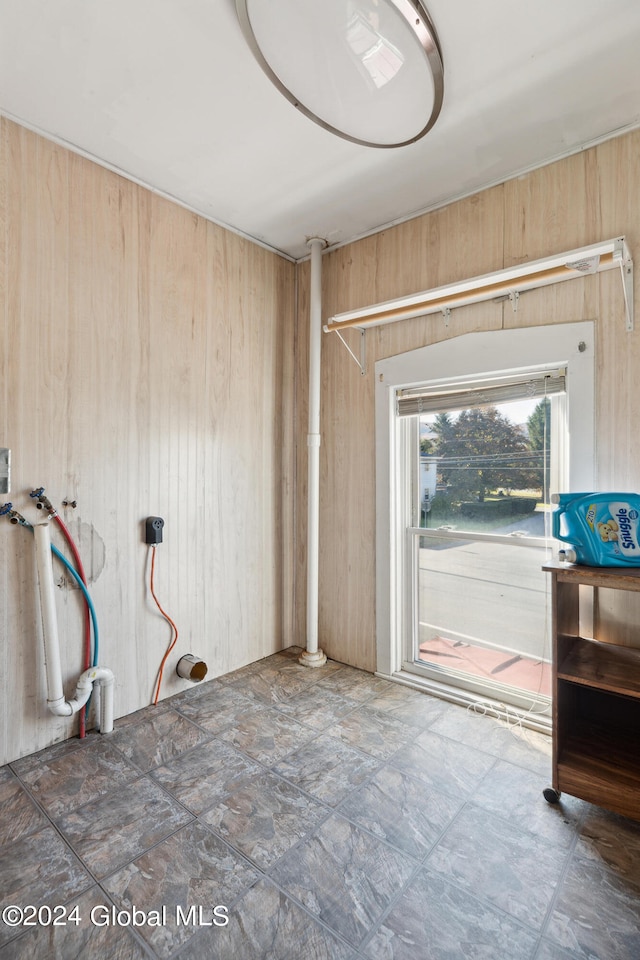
x: 596, y: 698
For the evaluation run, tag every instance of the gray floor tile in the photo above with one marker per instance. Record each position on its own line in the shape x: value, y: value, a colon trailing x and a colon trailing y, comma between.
x: 437, y: 920
x: 157, y: 738
x: 193, y: 868
x: 406, y: 813
x: 355, y: 877
x: 90, y: 938
x: 53, y: 753
x: 265, y: 818
x: 502, y: 864
x: 551, y: 951
x: 417, y: 709
x: 204, y: 775
x: 596, y: 914
x: 151, y: 710
x: 327, y: 769
x: 317, y: 707
x: 248, y: 670
x: 515, y: 794
x: 473, y: 728
x: 193, y: 690
x: 313, y: 674
x: 74, y: 778
x: 291, y: 653
x: 530, y: 749
x: 355, y: 684
x: 444, y: 764
x: 507, y: 740
x: 266, y: 925
x: 266, y: 735
x: 271, y: 685
x: 373, y: 732
x: 120, y: 826
x: 19, y: 815
x: 612, y: 841
x: 40, y: 870
x: 218, y: 708
x: 444, y: 849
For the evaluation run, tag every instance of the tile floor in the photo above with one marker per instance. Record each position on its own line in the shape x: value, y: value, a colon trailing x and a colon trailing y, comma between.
x: 288, y: 813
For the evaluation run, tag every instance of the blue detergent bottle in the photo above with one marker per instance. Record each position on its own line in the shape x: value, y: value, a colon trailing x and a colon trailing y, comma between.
x: 601, y: 528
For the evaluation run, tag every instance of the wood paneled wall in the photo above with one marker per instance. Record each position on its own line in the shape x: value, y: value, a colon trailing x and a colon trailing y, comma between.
x: 592, y: 196
x: 152, y: 363
x: 147, y: 369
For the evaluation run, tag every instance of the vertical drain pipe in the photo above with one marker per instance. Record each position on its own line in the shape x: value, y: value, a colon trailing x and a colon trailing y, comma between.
x: 313, y: 656
x: 53, y: 668
x: 94, y: 677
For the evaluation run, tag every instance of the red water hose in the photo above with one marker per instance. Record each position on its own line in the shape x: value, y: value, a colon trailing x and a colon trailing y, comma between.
x: 169, y: 620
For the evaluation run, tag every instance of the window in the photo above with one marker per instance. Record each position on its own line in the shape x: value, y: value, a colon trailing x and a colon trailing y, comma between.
x: 462, y: 498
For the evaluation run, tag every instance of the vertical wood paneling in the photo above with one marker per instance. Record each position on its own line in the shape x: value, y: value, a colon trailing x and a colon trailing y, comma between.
x: 4, y: 404
x: 547, y: 212
x: 37, y: 222
x: 617, y: 166
x: 551, y: 209
x: 143, y: 365
x: 105, y: 422
x: 618, y: 613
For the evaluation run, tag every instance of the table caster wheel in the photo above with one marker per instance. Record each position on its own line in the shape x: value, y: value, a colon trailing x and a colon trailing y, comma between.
x: 551, y: 795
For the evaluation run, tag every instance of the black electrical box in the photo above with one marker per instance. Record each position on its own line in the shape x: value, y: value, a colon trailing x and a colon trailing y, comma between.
x: 153, y: 530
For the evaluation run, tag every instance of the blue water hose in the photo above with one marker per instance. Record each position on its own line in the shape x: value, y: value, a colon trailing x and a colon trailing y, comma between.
x: 6, y: 510
x: 92, y: 610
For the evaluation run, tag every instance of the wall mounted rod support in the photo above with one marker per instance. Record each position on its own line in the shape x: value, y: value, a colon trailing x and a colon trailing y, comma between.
x: 509, y: 282
x: 622, y: 256
x: 313, y: 656
x: 362, y: 362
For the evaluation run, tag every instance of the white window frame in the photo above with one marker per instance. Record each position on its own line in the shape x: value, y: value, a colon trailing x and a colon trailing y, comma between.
x: 571, y: 345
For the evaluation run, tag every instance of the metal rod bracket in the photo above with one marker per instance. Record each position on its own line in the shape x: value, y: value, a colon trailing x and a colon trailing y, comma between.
x: 622, y: 255
x: 362, y: 362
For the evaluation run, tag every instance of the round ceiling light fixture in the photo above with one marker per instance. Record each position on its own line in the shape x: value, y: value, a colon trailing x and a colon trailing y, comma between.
x: 369, y: 71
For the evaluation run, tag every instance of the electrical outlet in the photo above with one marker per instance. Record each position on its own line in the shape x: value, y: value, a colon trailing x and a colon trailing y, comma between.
x: 5, y: 470
x: 153, y: 530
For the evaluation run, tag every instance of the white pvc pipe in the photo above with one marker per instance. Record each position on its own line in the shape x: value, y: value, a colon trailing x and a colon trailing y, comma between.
x: 55, y: 692
x: 100, y: 676
x: 313, y: 656
x: 103, y: 682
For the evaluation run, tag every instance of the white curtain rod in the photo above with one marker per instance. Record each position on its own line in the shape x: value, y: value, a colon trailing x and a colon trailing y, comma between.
x: 509, y: 282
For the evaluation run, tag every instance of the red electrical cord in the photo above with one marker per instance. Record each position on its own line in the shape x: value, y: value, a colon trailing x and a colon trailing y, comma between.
x: 169, y: 620
x: 87, y: 619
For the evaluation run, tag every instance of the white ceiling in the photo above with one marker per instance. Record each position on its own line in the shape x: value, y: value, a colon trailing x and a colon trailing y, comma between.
x: 167, y: 93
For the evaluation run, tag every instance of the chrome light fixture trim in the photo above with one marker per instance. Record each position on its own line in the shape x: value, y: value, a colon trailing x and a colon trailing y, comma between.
x: 376, y: 66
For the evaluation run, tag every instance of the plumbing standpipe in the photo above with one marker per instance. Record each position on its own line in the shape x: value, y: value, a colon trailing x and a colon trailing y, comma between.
x: 43, y: 503
x: 312, y: 656
x: 101, y: 676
